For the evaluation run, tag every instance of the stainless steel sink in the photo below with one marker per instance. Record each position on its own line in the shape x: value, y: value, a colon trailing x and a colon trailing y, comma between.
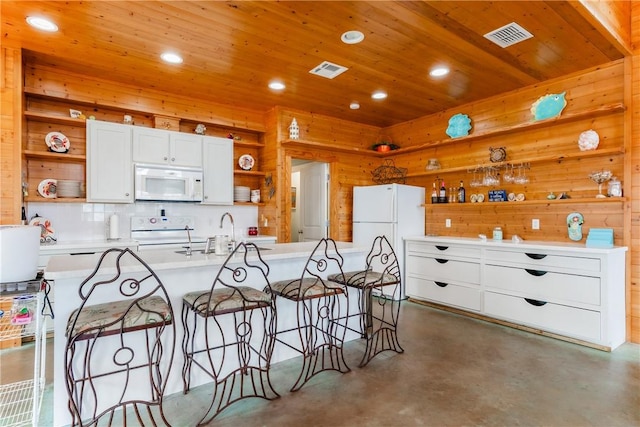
x: 201, y: 251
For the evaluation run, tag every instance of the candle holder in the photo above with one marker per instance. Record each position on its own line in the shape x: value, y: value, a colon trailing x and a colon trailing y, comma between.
x: 600, y: 178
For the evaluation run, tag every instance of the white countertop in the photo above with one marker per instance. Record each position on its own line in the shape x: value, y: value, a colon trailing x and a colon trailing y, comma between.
x: 63, y: 267
x: 80, y: 245
x: 508, y: 243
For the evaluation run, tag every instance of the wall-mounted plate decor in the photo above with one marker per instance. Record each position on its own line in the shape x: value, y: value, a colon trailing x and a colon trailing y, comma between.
x: 459, y: 125
x: 57, y: 142
x: 48, y: 188
x: 548, y: 106
x: 246, y: 162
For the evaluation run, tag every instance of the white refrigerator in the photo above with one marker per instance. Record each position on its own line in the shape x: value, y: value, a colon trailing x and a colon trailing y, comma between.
x: 393, y: 210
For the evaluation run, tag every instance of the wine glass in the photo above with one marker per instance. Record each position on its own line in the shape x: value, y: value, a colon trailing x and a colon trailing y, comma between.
x: 600, y: 178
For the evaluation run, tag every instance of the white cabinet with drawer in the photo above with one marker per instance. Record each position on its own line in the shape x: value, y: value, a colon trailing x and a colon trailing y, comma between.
x: 446, y: 274
x: 566, y: 290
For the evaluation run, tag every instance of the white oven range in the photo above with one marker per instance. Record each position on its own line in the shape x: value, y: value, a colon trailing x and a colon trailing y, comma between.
x: 165, y: 232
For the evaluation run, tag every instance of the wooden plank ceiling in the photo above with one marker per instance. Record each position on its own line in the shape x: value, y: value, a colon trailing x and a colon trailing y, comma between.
x: 233, y: 49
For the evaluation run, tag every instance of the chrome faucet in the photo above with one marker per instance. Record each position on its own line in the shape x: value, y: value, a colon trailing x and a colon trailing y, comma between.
x: 188, y: 249
x: 232, y: 241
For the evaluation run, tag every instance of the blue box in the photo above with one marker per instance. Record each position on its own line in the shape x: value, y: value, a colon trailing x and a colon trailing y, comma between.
x: 600, y: 238
x: 497, y: 195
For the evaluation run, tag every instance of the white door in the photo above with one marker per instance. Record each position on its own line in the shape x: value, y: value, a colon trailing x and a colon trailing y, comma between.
x: 217, y: 170
x: 150, y: 145
x: 313, y: 202
x: 109, y: 167
x: 185, y: 149
x: 376, y: 203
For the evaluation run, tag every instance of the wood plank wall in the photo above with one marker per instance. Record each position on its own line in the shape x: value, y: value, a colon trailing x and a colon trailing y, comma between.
x: 633, y: 281
x: 10, y: 135
x: 584, y: 92
x: 601, y: 86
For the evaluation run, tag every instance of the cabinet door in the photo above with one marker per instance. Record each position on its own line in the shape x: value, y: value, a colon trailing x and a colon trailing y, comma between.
x: 185, y: 149
x: 150, y: 145
x: 217, y: 162
x: 109, y: 166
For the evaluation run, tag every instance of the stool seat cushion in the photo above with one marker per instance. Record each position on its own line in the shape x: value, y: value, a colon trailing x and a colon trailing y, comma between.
x: 227, y: 300
x: 113, y: 317
x: 306, y: 288
x: 356, y: 279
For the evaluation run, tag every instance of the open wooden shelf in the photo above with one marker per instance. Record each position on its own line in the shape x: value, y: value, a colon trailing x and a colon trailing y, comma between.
x: 566, y: 118
x: 247, y: 144
x: 299, y: 143
x: 571, y: 156
x: 528, y: 202
x: 58, y: 157
x: 38, y: 199
x: 54, y: 118
x: 248, y: 173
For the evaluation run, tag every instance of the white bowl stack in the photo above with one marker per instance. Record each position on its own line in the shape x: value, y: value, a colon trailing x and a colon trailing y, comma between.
x: 241, y: 194
x: 68, y: 188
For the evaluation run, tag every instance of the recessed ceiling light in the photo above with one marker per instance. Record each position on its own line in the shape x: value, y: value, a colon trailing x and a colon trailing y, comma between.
x: 276, y: 85
x: 379, y: 95
x: 354, y: 105
x: 352, y: 37
x: 439, y: 72
x: 172, y: 58
x: 42, y: 24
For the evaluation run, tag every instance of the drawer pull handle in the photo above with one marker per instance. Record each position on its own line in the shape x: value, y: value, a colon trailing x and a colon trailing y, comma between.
x: 442, y: 261
x: 535, y: 302
x: 535, y: 256
x: 442, y: 248
x: 441, y: 284
x: 536, y: 273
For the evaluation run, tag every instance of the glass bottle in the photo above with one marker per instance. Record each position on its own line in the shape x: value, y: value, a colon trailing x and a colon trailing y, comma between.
x: 434, y: 194
x: 462, y: 193
x: 442, y: 198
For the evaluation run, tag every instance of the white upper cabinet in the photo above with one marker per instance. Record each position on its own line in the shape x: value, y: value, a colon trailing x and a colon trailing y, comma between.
x: 217, y: 162
x: 158, y: 146
x: 109, y: 166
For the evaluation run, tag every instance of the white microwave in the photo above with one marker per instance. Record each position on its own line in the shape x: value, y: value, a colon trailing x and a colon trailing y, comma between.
x: 171, y: 184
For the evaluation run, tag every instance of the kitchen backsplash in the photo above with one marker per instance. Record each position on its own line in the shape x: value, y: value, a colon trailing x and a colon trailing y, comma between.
x: 89, y: 221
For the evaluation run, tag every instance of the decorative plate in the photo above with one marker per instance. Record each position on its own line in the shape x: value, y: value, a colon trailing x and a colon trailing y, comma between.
x: 48, y: 188
x: 511, y: 197
x: 459, y: 125
x: 473, y: 198
x: 497, y: 154
x: 47, y: 233
x: 57, y: 142
x: 480, y: 198
x: 588, y: 140
x: 246, y: 162
x: 520, y: 197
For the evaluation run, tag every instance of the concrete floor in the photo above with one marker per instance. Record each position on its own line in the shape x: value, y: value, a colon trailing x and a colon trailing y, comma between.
x: 455, y: 371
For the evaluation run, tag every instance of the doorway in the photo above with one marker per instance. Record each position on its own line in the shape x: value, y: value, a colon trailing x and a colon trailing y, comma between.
x: 309, y: 200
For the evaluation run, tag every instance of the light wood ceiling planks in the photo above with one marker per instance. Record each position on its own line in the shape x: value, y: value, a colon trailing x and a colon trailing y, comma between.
x: 233, y: 49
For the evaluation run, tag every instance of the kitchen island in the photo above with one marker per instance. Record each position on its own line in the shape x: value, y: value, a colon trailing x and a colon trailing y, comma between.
x: 180, y: 274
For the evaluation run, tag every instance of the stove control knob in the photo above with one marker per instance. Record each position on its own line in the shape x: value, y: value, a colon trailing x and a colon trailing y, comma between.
x: 153, y: 220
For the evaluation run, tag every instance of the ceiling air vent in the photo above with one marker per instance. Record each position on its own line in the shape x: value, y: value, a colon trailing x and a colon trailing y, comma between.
x: 328, y: 70
x: 508, y: 35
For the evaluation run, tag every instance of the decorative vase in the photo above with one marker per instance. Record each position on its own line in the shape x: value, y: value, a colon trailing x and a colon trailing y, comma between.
x: 294, y: 130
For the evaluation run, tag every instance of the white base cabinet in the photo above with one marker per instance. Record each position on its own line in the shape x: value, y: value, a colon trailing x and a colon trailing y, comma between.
x: 564, y: 290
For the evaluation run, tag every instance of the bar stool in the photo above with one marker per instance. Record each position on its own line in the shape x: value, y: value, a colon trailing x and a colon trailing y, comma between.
x: 119, y: 353
x: 229, y: 331
x: 320, y: 304
x: 378, y: 316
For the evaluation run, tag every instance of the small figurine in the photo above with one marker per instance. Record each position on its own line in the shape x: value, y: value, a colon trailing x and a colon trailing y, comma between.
x: 574, y: 225
x: 200, y: 129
